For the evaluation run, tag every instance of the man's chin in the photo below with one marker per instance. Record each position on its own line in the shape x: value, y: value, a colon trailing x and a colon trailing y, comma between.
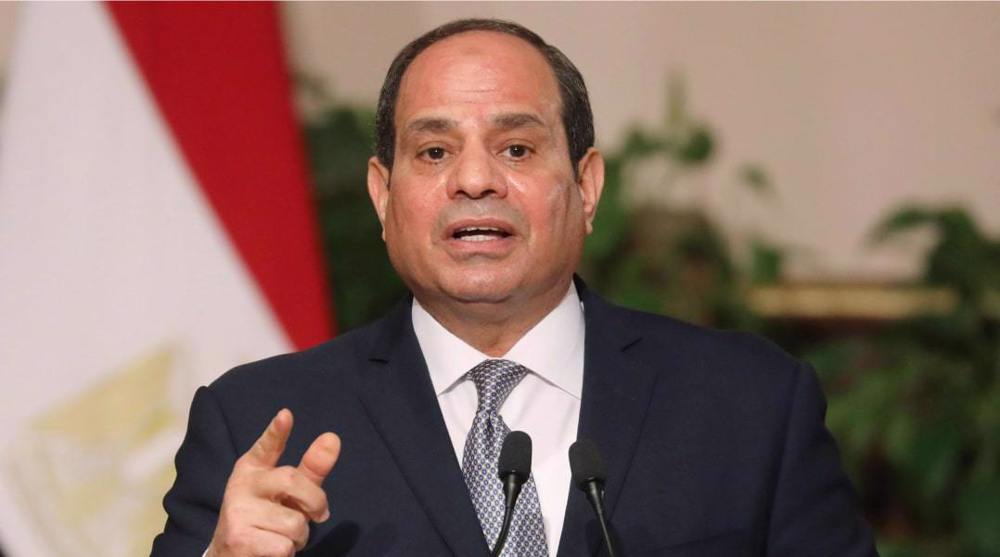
x: 475, y: 296
x: 479, y: 290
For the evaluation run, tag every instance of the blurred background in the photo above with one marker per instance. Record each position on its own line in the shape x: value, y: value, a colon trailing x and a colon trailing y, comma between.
x: 826, y: 175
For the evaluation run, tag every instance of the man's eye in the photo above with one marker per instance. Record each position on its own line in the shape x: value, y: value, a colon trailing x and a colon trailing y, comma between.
x: 517, y: 151
x: 434, y: 153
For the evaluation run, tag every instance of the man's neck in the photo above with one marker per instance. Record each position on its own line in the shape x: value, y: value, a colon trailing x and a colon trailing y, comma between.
x: 493, y: 328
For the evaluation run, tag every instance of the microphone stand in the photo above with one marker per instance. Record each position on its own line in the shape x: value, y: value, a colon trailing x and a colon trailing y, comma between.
x: 589, y: 473
x: 511, y: 490
x: 594, y: 490
x: 514, y: 467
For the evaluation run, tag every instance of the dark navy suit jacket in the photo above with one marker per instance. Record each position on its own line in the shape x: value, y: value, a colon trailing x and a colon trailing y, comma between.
x: 714, y: 441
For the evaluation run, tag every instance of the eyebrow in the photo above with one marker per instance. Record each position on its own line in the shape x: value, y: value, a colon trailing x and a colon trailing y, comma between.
x: 506, y: 122
x: 431, y: 125
x: 516, y: 120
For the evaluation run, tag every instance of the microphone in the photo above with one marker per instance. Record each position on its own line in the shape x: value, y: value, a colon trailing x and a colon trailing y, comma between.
x: 589, y: 474
x: 514, y: 467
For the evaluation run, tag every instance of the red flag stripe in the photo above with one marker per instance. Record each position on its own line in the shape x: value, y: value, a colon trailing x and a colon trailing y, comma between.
x: 218, y: 74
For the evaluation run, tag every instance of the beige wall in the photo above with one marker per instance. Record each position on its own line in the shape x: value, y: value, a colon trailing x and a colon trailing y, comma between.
x: 8, y: 19
x: 853, y: 108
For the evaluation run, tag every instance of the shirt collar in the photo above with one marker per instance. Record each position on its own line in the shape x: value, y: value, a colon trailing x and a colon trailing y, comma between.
x: 549, y: 350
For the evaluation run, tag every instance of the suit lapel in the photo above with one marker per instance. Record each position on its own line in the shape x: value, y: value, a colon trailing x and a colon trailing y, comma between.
x: 616, y: 395
x: 400, y: 400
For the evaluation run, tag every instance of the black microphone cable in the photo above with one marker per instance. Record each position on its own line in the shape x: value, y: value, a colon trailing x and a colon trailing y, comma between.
x: 514, y: 466
x: 589, y: 474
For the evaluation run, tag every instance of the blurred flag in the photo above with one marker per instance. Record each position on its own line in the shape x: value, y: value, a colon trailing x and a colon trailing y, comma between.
x: 155, y: 230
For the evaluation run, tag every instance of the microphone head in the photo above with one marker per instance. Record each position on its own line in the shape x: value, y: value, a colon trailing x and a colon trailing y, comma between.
x: 586, y: 463
x: 515, y: 456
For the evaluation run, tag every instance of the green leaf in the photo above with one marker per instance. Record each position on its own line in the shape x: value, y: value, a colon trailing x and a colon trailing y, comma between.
x: 363, y: 283
x: 695, y: 147
x: 903, y: 219
x: 640, y: 144
x: 766, y: 263
x: 979, y: 517
x: 900, y: 435
x: 933, y: 459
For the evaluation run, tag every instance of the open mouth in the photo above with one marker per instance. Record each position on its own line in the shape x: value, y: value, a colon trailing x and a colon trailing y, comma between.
x: 479, y: 234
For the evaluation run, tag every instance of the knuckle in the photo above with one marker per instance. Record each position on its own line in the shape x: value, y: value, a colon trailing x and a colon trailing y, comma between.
x: 286, y: 476
x: 286, y: 547
x: 294, y: 523
x: 236, y: 540
x: 290, y: 516
x: 284, y: 521
x: 308, y: 502
x: 299, y: 523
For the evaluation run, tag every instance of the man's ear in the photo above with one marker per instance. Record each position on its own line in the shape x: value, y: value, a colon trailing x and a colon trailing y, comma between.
x: 378, y: 189
x: 590, y: 177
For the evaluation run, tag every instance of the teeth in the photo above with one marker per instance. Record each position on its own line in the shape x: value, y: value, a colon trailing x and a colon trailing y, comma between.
x: 479, y: 233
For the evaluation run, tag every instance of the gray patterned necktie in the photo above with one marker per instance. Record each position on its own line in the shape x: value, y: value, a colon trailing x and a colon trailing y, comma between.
x: 494, y: 380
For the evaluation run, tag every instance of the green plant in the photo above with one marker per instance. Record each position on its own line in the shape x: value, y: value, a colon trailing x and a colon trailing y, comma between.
x: 666, y: 260
x: 916, y: 407
x: 363, y: 283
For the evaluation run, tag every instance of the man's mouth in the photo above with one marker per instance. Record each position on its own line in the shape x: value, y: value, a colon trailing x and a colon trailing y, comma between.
x: 479, y: 233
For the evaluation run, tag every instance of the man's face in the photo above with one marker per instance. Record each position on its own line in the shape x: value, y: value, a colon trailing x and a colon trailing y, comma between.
x: 482, y: 206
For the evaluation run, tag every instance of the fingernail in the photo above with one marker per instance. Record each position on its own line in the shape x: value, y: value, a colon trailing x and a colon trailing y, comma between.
x: 326, y: 516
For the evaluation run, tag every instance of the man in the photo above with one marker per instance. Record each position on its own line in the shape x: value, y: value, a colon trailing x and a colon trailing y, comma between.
x: 486, y: 183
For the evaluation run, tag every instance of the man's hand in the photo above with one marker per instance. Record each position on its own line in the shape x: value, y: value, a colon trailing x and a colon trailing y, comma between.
x: 266, y: 510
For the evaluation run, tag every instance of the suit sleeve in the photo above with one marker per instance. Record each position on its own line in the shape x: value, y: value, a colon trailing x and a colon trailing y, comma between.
x: 204, y: 462
x: 814, y: 510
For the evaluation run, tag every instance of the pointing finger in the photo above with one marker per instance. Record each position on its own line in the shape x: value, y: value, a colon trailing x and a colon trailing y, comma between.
x: 268, y: 448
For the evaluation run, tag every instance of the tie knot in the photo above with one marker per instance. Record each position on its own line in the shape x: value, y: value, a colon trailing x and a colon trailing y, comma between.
x: 494, y: 380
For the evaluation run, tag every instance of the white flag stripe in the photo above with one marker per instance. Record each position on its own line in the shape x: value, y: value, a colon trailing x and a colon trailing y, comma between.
x: 108, y: 250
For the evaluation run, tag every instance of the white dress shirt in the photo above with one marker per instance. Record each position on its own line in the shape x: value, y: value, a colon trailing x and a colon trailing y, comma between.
x: 545, y: 404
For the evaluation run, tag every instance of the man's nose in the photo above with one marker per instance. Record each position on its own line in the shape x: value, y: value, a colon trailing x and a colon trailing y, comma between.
x: 476, y: 175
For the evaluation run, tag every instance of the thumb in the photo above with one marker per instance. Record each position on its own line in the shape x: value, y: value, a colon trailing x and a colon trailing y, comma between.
x: 320, y: 457
x: 266, y: 451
